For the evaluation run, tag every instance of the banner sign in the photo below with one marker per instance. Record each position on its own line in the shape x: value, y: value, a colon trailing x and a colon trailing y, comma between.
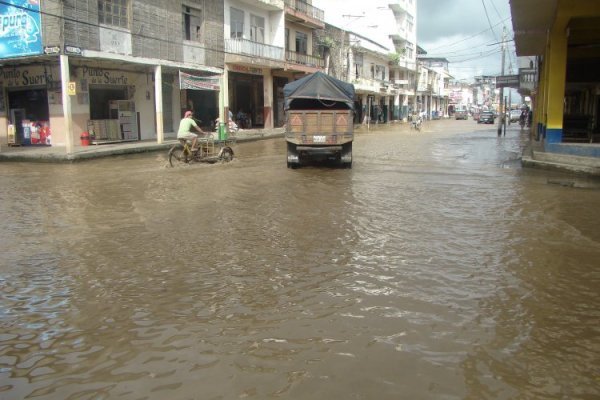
x: 187, y: 81
x: 20, y: 28
x: 507, y: 81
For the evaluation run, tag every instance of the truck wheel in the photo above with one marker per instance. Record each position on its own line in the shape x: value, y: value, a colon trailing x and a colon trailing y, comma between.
x: 346, y: 157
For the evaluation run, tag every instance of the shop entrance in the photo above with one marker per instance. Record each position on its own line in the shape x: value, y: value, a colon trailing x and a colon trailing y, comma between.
x: 204, y: 106
x: 246, y: 99
x: 113, y: 117
x: 29, y: 116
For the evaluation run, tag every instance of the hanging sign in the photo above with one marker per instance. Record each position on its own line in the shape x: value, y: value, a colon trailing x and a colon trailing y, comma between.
x: 187, y: 81
x: 507, y: 81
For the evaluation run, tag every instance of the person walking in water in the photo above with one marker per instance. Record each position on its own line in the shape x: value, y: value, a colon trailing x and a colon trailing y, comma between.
x: 185, y: 129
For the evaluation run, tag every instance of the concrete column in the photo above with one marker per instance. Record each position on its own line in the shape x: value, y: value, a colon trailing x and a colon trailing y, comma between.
x: 158, y: 104
x: 557, y: 64
x: 542, y: 101
x: 225, y: 93
x: 66, y: 102
x: 268, y: 99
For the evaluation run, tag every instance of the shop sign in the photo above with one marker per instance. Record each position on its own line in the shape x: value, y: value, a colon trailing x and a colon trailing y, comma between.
x: 187, y: 81
x: 35, y: 76
x: 507, y: 81
x: 246, y: 70
x: 52, y: 50
x: 73, y: 50
x: 71, y: 88
x: 99, y: 76
x: 20, y: 28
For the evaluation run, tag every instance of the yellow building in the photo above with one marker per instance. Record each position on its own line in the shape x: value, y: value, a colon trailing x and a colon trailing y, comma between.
x: 564, y: 35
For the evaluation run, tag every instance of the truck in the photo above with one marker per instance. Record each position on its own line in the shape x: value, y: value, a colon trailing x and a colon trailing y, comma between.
x: 319, y: 120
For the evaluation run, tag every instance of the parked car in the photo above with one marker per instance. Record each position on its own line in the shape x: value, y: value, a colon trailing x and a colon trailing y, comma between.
x: 515, y: 115
x: 461, y: 114
x: 486, y: 117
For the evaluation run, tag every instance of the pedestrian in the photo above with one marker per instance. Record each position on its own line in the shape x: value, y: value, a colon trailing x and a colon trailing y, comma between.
x: 185, y: 129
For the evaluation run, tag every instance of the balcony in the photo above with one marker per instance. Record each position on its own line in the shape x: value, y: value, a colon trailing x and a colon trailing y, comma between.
x: 373, y: 86
x: 305, y: 14
x: 271, y: 5
x: 399, y: 6
x: 253, y: 49
x: 527, y: 80
x: 304, y: 60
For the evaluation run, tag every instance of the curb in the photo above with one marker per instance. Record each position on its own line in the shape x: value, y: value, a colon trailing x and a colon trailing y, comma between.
x: 97, y: 151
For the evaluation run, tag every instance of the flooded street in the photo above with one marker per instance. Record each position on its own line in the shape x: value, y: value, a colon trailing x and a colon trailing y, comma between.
x: 435, y: 268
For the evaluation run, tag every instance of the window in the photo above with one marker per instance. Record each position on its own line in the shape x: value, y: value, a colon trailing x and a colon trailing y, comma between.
x: 380, y: 72
x: 236, y: 23
x: 358, y: 65
x: 301, y: 42
x: 257, y: 28
x: 114, y: 12
x: 192, y: 23
x: 409, y: 50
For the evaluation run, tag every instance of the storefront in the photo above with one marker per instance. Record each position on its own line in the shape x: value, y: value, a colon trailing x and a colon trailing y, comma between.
x: 200, y: 95
x: 246, y: 96
x: 25, y: 103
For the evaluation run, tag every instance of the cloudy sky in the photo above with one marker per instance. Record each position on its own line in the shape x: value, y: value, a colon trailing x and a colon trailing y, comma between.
x: 467, y: 33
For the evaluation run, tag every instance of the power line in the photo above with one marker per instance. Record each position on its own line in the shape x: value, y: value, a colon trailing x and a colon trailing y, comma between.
x: 488, y: 17
x: 470, y: 37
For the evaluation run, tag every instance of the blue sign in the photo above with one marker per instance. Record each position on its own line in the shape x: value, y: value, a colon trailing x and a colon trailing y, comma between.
x: 20, y: 28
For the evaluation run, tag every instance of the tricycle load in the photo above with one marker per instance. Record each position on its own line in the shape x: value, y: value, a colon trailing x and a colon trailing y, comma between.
x: 319, y: 120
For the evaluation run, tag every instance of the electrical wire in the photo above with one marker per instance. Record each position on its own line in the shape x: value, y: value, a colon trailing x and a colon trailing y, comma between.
x: 488, y: 18
x: 469, y: 37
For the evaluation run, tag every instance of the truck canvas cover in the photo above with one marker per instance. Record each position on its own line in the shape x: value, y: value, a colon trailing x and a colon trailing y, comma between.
x: 318, y: 87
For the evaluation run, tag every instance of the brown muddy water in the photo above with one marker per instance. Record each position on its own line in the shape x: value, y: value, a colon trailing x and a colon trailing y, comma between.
x: 435, y: 268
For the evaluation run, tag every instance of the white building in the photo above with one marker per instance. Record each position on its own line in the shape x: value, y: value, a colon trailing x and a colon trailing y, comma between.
x: 382, y: 58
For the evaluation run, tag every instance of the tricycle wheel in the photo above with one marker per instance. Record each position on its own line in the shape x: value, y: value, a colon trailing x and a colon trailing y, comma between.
x: 177, y: 154
x: 226, y: 154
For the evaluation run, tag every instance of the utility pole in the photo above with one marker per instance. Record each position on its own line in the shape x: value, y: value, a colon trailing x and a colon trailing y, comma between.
x: 417, y: 79
x: 501, y: 112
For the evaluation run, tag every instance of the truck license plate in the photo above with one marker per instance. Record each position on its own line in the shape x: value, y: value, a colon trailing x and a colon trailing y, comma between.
x: 319, y: 139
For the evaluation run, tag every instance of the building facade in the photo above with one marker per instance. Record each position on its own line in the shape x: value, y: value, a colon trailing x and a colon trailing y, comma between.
x: 373, y: 46
x: 110, y: 68
x: 126, y: 70
x: 564, y: 39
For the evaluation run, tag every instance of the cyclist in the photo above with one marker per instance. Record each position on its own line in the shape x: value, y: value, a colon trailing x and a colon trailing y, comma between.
x: 185, y: 129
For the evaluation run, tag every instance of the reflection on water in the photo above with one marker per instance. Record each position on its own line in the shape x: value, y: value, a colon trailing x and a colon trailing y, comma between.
x: 434, y: 268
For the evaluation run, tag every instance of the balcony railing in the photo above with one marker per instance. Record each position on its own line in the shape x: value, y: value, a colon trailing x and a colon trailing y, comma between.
x: 254, y: 49
x: 306, y: 8
x: 527, y: 78
x: 304, y: 59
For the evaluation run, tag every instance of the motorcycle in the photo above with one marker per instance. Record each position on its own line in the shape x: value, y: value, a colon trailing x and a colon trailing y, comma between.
x: 416, y: 124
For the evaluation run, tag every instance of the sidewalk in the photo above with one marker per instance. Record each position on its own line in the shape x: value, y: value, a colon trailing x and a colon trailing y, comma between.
x: 58, y: 154
x: 535, y: 156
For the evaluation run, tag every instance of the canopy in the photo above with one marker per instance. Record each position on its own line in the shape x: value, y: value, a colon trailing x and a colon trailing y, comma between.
x: 319, y: 86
